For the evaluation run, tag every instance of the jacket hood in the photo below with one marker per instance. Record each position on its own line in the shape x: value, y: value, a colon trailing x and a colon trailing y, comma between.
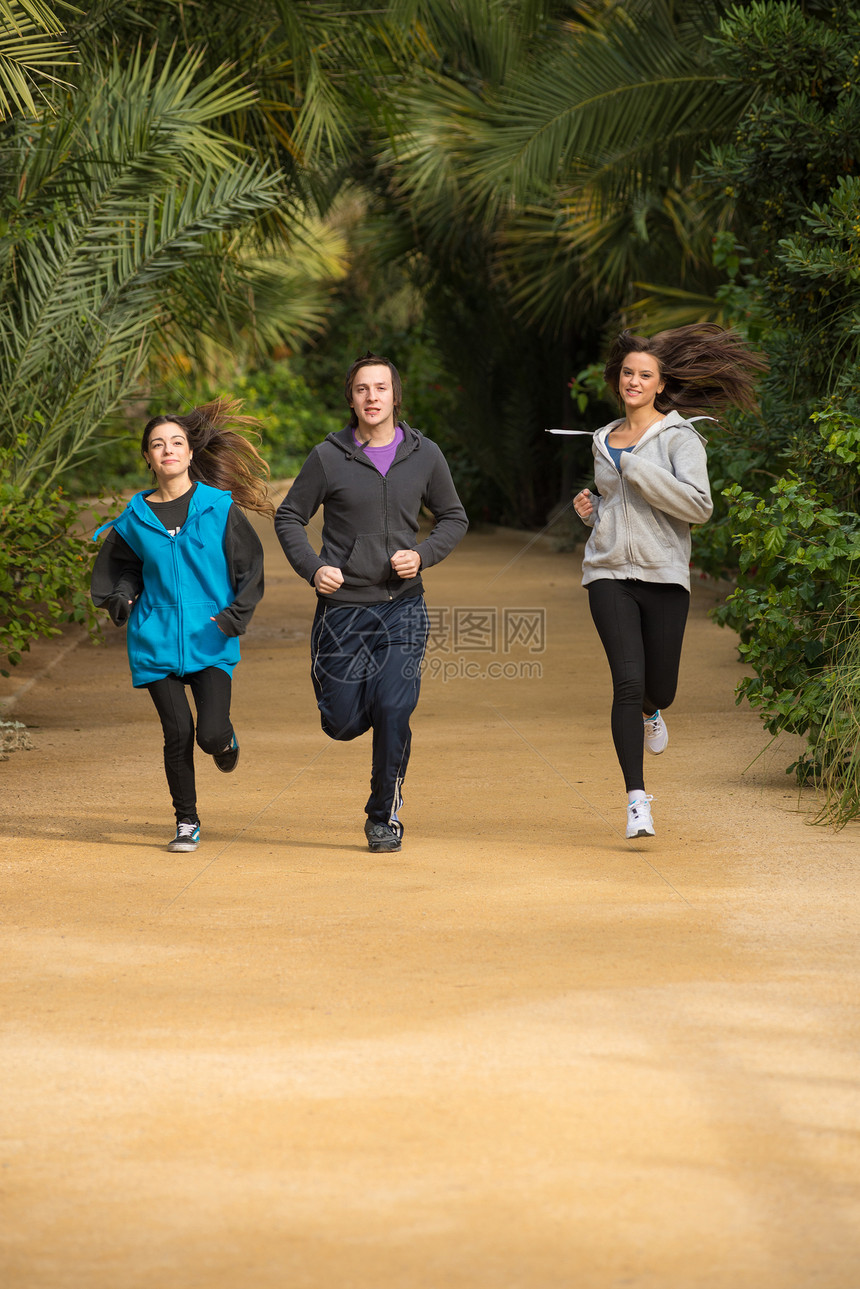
x: 668, y: 422
x: 204, y: 498
x: 344, y: 440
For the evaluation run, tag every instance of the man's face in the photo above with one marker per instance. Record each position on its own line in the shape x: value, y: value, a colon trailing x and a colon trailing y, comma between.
x: 373, y: 398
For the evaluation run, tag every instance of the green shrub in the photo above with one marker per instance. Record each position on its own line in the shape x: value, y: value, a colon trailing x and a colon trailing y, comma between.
x: 835, y: 767
x: 798, y: 552
x: 44, y: 566
x: 294, y: 417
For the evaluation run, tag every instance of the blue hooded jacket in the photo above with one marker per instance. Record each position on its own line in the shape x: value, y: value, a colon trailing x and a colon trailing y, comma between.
x: 185, y: 583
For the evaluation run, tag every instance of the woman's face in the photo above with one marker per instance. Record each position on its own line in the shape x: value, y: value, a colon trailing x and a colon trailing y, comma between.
x: 168, y: 452
x: 640, y: 381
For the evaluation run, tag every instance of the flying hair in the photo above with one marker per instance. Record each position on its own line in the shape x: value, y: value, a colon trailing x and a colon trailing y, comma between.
x: 703, y: 366
x: 223, y: 454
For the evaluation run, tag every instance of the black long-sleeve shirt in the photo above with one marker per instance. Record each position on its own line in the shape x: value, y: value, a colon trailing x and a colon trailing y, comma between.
x: 117, y: 575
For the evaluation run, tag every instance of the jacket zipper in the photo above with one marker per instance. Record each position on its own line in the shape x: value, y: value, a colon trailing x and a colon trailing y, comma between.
x: 385, y: 527
x: 384, y: 480
x: 179, y: 610
x: 630, y: 559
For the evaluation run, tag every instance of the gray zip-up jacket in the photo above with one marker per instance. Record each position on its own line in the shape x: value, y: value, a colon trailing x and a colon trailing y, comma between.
x: 368, y: 516
x: 642, y: 516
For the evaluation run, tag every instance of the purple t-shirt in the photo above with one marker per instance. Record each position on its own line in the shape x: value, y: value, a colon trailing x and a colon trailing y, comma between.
x: 382, y: 457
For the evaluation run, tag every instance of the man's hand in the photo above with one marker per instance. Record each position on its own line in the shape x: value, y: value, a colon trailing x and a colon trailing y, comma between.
x: 406, y: 563
x: 328, y: 579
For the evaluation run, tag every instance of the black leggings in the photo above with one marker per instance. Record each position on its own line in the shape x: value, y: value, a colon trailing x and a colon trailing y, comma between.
x: 211, y: 690
x: 641, y: 626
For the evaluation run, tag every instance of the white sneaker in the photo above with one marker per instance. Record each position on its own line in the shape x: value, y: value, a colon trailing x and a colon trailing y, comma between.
x: 656, y: 734
x: 639, y: 821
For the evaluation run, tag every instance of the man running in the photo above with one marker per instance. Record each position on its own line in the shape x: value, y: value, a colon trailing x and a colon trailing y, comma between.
x: 370, y: 628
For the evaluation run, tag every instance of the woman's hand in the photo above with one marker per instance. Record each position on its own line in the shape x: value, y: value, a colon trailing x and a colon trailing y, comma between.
x: 119, y: 608
x: 328, y: 579
x: 582, y: 504
x: 406, y: 563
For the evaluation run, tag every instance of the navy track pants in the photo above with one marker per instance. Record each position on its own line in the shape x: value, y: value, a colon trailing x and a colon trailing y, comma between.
x: 366, y: 669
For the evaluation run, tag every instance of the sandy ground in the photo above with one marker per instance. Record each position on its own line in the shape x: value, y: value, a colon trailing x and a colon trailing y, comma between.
x: 524, y: 1053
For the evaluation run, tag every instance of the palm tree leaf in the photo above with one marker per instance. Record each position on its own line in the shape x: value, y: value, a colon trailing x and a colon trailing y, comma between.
x: 90, y: 263
x: 31, y: 42
x: 35, y: 14
x: 612, y: 105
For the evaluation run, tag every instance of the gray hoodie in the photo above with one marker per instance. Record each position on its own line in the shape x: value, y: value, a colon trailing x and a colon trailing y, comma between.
x: 642, y: 516
x: 368, y: 516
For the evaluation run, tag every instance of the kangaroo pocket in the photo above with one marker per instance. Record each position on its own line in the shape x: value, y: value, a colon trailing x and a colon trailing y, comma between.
x: 642, y: 537
x: 153, y: 638
x: 205, y: 642
x: 655, y: 539
x: 604, y: 547
x: 369, y: 561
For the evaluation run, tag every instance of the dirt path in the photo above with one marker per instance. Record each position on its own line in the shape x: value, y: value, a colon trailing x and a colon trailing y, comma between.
x: 524, y: 1054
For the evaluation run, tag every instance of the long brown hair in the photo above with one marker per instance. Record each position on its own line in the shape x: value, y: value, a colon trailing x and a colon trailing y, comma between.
x: 224, y: 457
x: 702, y: 366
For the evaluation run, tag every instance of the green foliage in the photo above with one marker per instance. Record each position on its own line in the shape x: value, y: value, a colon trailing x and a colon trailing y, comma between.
x: 589, y: 386
x: 581, y: 158
x: 386, y: 305
x: 318, y: 68
x: 835, y: 766
x: 792, y: 171
x: 840, y: 431
x: 588, y: 106
x: 789, y: 480
x: 32, y: 49
x: 44, y: 565
x: 790, y: 49
x: 798, y: 552
x: 129, y: 231
x: 117, y: 234
x: 293, y: 415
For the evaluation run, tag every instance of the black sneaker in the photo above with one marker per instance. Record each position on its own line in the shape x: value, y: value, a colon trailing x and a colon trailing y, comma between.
x: 187, y: 835
x: 381, y: 838
x: 228, y: 759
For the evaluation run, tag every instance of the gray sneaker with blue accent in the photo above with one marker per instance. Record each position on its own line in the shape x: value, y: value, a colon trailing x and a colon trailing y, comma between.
x: 187, y: 835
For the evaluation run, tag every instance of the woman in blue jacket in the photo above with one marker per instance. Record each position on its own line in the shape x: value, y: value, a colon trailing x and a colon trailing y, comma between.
x: 183, y: 567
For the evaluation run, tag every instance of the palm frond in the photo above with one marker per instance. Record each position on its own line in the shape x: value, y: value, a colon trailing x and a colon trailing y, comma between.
x: 32, y: 46
x: 118, y: 204
x: 664, y: 307
x: 614, y: 105
x: 14, y: 14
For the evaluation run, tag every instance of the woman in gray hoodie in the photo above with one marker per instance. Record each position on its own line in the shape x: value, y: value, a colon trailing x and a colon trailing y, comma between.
x: 650, y: 485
